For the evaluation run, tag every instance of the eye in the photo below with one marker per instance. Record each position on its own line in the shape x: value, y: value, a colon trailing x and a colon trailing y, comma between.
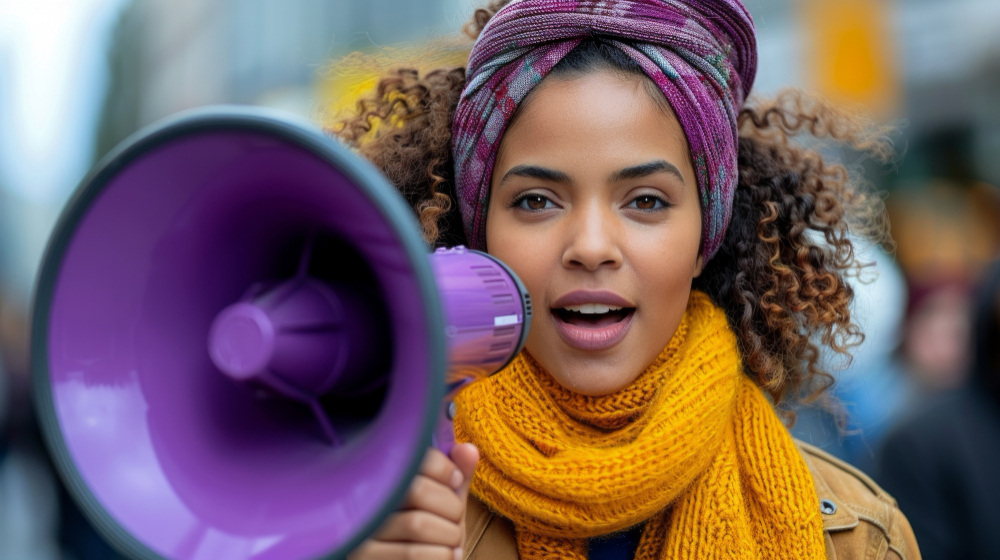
x: 648, y: 202
x: 533, y: 202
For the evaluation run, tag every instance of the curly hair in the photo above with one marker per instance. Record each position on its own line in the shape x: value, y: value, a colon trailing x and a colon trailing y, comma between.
x: 782, y: 272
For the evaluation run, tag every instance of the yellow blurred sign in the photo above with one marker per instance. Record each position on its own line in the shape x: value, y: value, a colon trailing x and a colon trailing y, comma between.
x: 851, y: 59
x: 349, y: 79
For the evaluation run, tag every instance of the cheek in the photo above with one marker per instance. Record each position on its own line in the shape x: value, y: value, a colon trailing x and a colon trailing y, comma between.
x: 527, y: 253
x: 667, y: 286
x: 664, y: 264
x: 665, y: 260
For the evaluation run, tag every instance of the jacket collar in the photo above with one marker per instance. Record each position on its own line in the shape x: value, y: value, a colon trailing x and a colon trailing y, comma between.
x: 844, y: 517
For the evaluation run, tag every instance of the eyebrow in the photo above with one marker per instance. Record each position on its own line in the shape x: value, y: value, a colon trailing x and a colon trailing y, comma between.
x: 647, y: 169
x: 634, y: 172
x: 536, y: 172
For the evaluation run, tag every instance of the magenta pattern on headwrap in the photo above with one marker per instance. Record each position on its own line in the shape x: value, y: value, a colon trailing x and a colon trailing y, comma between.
x: 701, y: 53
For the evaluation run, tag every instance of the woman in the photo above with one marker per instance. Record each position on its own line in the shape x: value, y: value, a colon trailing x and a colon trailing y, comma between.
x: 686, y: 262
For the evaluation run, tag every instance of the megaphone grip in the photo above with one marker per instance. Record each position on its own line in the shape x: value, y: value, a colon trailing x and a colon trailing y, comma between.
x: 444, y: 432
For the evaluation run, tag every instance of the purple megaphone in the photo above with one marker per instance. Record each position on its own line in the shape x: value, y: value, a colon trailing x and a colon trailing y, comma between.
x: 241, y: 346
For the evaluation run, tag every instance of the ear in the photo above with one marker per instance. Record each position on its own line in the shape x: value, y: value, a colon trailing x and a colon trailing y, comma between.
x: 699, y: 266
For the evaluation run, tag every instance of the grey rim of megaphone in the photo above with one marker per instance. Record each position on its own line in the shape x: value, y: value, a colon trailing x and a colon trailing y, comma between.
x: 378, y: 190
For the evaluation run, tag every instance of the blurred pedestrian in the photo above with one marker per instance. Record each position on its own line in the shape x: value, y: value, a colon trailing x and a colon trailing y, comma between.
x: 935, y: 348
x: 941, y: 463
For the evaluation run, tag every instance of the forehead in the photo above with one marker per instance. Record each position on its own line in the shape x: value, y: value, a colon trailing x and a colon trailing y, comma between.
x: 599, y: 114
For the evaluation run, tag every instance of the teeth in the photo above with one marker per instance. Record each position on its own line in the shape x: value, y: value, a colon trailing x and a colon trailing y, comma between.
x: 591, y: 308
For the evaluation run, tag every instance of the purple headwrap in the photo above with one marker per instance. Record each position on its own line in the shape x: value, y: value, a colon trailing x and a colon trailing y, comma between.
x: 701, y: 53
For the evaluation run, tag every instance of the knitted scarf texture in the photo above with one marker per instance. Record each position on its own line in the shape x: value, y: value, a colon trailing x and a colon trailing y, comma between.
x: 702, y: 54
x: 692, y: 448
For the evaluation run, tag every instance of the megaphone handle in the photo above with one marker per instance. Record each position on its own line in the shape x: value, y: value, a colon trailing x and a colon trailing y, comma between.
x: 444, y: 431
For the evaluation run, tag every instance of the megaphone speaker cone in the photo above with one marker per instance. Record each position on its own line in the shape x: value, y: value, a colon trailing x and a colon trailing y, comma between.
x: 144, y: 403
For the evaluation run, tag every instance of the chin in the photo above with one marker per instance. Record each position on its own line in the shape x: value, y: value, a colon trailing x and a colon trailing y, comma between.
x: 594, y: 382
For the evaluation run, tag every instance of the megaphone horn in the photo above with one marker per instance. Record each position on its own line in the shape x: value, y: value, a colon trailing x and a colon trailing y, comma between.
x: 241, y: 346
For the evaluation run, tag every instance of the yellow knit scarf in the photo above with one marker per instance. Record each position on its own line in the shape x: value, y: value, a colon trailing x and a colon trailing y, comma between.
x: 692, y: 447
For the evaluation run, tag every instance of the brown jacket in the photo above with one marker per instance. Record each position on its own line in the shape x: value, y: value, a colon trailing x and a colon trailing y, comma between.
x: 860, y: 521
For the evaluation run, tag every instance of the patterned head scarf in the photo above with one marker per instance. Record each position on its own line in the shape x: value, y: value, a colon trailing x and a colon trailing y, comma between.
x: 701, y: 53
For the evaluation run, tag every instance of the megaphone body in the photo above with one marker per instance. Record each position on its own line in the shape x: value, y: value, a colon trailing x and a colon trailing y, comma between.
x: 241, y: 346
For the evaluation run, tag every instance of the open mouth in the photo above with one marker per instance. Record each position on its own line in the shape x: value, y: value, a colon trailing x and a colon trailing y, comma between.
x: 592, y: 320
x: 592, y: 316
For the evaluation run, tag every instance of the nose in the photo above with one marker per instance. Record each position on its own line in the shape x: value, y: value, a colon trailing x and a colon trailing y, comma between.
x: 592, y: 239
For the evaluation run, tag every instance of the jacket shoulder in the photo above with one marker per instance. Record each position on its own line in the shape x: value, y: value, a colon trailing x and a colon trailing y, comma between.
x: 860, y: 519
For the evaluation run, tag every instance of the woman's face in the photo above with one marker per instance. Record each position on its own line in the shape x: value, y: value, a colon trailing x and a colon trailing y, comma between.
x: 594, y: 205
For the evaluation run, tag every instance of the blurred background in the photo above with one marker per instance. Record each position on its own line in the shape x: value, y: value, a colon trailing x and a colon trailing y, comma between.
x: 79, y: 76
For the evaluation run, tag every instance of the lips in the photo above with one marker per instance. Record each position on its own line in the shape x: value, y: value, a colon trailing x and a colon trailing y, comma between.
x: 581, y: 297
x: 592, y: 320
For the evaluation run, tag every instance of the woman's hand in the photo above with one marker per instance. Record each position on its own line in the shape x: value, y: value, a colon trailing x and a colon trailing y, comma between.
x: 430, y: 523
